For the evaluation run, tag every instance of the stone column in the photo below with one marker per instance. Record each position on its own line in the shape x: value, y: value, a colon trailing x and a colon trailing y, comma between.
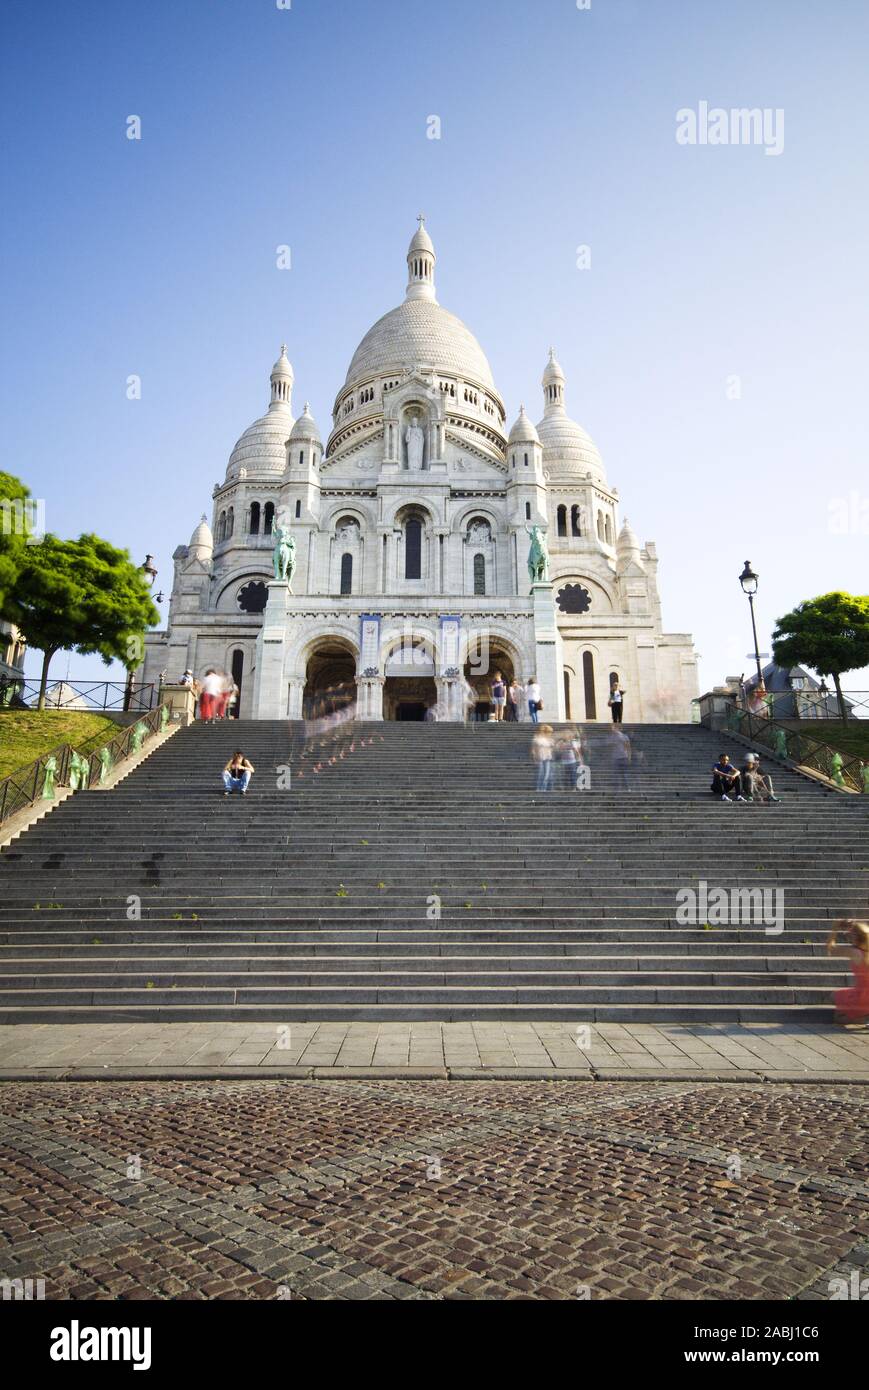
x: 451, y: 708
x: 270, y: 693
x: 295, y: 707
x: 369, y: 698
x: 181, y: 702
x: 547, y: 651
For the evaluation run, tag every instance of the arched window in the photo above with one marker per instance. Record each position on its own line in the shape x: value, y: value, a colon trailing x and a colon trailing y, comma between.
x: 268, y: 518
x: 608, y: 526
x: 588, y: 685
x: 600, y: 526
x: 254, y: 519
x: 221, y: 527
x: 237, y: 674
x: 526, y: 460
x: 230, y: 522
x: 479, y: 574
x: 562, y: 521
x: 346, y: 573
x: 298, y: 506
x: 576, y: 520
x: 527, y: 511
x: 413, y: 549
x: 567, y: 694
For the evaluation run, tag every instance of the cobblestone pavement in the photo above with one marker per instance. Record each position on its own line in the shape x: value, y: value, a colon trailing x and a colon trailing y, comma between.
x: 370, y: 1189
x: 786, y: 1051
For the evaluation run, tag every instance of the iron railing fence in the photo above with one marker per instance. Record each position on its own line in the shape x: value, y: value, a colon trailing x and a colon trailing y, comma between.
x: 844, y: 770
x: 87, y: 765
x: 809, y: 704
x: 28, y: 784
x: 80, y: 695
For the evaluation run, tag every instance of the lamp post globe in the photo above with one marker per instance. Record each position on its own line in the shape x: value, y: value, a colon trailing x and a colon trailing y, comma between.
x: 748, y: 583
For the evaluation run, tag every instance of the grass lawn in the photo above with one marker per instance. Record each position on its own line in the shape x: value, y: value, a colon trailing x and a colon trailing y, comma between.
x: 26, y: 734
x: 851, y: 739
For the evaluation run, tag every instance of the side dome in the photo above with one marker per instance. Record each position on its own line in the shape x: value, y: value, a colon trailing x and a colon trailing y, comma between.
x: 628, y: 549
x: 523, y: 431
x: 201, y: 542
x: 305, y: 427
x: 262, y: 447
x: 568, y: 450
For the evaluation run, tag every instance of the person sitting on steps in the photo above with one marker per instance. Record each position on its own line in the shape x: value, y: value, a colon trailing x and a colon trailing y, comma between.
x: 726, y: 779
x: 237, y: 773
x: 757, y: 785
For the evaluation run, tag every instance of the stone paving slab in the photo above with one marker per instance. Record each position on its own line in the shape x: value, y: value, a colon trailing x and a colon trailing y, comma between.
x: 461, y: 1050
x: 382, y: 1190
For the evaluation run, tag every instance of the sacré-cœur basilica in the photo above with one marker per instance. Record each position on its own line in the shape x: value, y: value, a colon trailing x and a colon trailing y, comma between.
x: 410, y: 535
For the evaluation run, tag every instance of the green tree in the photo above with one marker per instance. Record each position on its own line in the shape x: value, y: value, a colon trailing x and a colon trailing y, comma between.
x: 13, y: 533
x: 830, y: 634
x: 83, y: 596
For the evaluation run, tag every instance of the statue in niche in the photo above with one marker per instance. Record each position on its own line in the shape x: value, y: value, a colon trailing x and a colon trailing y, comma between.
x: 415, y: 441
x: 479, y: 533
x: 347, y: 532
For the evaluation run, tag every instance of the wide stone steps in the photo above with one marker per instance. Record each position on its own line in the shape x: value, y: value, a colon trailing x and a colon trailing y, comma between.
x: 312, y: 902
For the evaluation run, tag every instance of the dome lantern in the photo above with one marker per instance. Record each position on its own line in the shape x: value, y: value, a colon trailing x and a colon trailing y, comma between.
x: 282, y: 382
x: 553, y: 385
x: 420, y: 264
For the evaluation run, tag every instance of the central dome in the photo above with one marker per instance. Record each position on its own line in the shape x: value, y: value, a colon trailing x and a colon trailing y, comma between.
x: 419, y: 333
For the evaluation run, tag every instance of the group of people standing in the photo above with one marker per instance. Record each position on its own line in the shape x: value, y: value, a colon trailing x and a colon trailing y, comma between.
x: 510, y: 701
x: 216, y: 692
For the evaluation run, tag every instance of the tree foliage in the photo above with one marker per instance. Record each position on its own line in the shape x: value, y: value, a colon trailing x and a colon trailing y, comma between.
x: 84, y: 596
x: 830, y: 634
x: 13, y: 534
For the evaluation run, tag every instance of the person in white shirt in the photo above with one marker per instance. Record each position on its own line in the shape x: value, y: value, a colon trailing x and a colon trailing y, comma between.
x: 532, y: 692
x: 617, y: 702
x: 210, y: 696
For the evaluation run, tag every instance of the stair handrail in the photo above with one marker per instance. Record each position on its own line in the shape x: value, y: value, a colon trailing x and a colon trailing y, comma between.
x: 845, y: 772
x: 28, y: 784
x: 78, y: 766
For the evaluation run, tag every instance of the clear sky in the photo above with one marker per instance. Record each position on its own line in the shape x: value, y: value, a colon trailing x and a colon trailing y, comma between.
x: 717, y: 271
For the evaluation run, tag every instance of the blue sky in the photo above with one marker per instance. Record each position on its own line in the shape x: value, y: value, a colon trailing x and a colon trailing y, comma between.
x: 307, y: 127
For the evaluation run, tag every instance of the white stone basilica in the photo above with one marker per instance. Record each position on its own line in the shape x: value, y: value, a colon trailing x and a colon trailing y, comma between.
x: 411, y: 532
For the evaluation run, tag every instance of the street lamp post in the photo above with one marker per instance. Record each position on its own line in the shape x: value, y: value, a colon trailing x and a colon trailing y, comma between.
x: 149, y: 570
x: 748, y: 581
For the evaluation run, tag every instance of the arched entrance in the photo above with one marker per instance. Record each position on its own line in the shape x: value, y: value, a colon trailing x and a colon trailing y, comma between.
x: 330, y: 678
x: 409, y: 690
x: 480, y: 667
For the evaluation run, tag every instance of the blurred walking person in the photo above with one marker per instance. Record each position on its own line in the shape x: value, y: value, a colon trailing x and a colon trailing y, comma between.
x: 541, y: 753
x: 852, y: 1005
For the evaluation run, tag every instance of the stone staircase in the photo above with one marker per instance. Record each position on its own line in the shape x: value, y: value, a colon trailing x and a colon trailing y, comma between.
x: 320, y: 901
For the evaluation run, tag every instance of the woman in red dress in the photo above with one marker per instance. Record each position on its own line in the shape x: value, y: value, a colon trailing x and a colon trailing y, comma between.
x: 852, y: 1005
